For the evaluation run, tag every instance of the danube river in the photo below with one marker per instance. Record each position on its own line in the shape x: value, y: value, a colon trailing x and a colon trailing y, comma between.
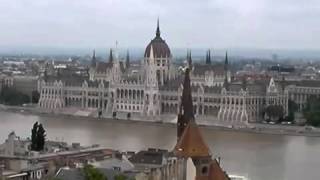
x: 256, y: 156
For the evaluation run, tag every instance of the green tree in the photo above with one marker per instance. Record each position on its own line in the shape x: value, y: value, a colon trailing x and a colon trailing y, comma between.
x: 38, y: 137
x: 92, y: 173
x: 41, y: 137
x: 120, y: 177
x: 34, y: 139
x: 13, y: 97
x: 312, y: 111
x: 292, y: 106
x: 274, y: 112
x: 35, y: 96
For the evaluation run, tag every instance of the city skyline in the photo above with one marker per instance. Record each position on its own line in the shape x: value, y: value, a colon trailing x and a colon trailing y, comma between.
x: 215, y: 24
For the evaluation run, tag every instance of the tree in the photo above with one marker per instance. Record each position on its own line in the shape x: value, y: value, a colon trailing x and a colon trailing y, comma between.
x: 312, y: 111
x: 275, y: 112
x: 35, y: 96
x: 38, y: 137
x: 11, y: 96
x: 34, y: 140
x: 292, y: 106
x: 41, y: 137
x: 92, y: 173
x: 120, y: 177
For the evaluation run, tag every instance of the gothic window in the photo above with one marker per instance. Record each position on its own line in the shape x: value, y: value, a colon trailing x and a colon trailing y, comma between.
x: 204, y: 170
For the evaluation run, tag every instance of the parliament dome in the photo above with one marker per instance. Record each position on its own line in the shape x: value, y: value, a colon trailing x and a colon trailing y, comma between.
x: 159, y: 46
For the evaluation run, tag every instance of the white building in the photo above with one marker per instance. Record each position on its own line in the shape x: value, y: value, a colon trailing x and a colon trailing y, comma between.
x: 154, y: 91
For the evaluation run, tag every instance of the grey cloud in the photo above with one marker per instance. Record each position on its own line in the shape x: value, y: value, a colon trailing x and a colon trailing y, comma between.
x: 184, y: 23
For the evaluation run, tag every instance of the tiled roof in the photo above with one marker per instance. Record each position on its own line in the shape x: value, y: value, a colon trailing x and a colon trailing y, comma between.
x: 78, y: 174
x: 73, y: 80
x: 103, y: 66
x: 160, y: 48
x: 201, y: 69
x: 149, y: 157
x: 191, y: 144
x: 216, y: 172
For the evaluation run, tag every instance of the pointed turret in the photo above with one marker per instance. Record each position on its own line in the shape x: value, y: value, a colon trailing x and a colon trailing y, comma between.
x: 226, y: 69
x: 189, y: 59
x: 93, y: 59
x: 208, y: 57
x: 186, y: 108
x: 111, y: 56
x: 151, y: 71
x: 158, y: 29
x: 127, y: 60
x: 226, y: 62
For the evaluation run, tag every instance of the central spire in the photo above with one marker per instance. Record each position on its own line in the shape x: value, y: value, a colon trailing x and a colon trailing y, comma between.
x: 186, y: 101
x: 158, y: 29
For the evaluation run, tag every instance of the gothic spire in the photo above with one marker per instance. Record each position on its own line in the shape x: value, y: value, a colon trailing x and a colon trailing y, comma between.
x: 189, y: 59
x: 158, y: 29
x: 110, y: 56
x: 93, y: 60
x: 186, y: 101
x: 226, y: 63
x: 128, y: 60
x: 208, y: 57
x: 186, y: 107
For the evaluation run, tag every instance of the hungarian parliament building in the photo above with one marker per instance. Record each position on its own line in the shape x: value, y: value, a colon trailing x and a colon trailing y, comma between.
x: 152, y: 89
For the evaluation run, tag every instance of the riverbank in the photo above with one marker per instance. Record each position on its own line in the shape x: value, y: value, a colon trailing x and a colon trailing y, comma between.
x: 256, y: 128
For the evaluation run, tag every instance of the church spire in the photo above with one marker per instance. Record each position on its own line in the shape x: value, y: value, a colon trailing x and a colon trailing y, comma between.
x: 226, y: 62
x: 189, y: 58
x: 93, y: 60
x: 186, y: 107
x: 208, y: 57
x: 226, y: 69
x: 158, y: 29
x: 110, y: 56
x: 128, y: 60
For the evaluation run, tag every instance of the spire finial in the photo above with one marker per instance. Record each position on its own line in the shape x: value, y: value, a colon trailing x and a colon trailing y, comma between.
x: 110, y: 56
x: 128, y: 59
x: 158, y: 29
x: 226, y: 63
x: 93, y: 60
x: 226, y: 80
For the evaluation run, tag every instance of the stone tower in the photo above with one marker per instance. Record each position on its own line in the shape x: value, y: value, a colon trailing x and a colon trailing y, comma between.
x: 191, y: 143
x: 161, y: 57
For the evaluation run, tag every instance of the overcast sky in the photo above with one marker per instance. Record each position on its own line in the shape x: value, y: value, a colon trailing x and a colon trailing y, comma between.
x: 184, y: 23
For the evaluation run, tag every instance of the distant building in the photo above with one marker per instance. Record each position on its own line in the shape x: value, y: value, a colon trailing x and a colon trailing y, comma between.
x: 153, y: 91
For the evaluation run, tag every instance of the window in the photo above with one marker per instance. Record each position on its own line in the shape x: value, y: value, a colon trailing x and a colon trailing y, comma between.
x: 204, y: 170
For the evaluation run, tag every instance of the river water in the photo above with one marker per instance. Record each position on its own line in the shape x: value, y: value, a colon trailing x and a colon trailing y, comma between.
x: 256, y: 156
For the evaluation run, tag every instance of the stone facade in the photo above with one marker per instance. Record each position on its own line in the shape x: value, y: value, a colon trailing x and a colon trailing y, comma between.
x: 112, y: 88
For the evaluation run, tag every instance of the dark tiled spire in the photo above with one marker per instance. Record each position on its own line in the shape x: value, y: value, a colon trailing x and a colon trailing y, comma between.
x: 93, y: 60
x: 186, y: 108
x: 158, y: 29
x: 128, y: 60
x: 226, y: 69
x: 110, y: 56
x: 226, y: 62
x: 208, y: 57
x: 189, y: 58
